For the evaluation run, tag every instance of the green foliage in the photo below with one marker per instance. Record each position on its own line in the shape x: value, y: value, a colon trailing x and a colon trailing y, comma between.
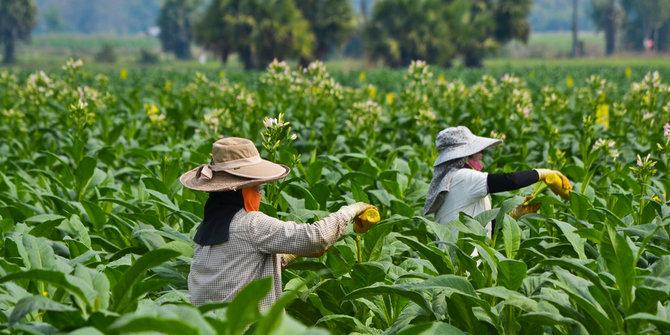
x: 96, y: 231
x: 17, y: 20
x: 106, y: 54
x: 148, y: 57
x: 608, y: 16
x: 646, y: 19
x: 257, y: 30
x: 331, y: 22
x: 401, y: 31
x: 174, y: 22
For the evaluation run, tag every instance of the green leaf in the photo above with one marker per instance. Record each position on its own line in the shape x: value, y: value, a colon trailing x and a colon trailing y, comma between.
x: 620, y: 260
x: 511, y: 273
x: 511, y: 236
x: 580, y: 205
x: 575, y: 240
x: 42, y: 218
x: 166, y: 319
x: 54, y: 278
x: 83, y: 174
x: 431, y: 328
x: 123, y: 288
x: 243, y: 309
x: 34, y: 303
x: 439, y: 259
x: 95, y: 214
x: 578, y: 290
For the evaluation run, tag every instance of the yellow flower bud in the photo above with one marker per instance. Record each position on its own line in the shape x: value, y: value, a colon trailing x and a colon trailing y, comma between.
x: 123, y: 74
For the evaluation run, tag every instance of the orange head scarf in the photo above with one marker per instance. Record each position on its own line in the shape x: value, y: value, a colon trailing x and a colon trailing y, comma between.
x: 252, y: 199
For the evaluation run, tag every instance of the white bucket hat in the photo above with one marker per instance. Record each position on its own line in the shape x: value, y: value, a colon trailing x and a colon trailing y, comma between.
x: 235, y: 164
x: 459, y: 142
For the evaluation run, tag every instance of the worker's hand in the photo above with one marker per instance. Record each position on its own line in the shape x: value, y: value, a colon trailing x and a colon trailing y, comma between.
x: 288, y: 258
x: 525, y: 208
x: 366, y: 218
x: 557, y: 182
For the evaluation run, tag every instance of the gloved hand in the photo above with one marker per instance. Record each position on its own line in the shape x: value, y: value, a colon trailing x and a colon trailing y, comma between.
x: 525, y: 208
x: 288, y: 258
x: 557, y: 182
x: 366, y: 218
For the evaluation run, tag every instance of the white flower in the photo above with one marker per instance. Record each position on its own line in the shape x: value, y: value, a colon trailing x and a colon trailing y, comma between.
x: 294, y: 137
x: 666, y: 130
x: 269, y: 122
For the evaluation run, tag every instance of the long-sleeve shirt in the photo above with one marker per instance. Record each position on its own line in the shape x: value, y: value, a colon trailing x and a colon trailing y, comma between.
x: 219, y: 272
x: 469, y: 191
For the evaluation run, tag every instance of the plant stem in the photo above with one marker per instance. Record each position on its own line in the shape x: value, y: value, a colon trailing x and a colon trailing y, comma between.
x: 359, y: 254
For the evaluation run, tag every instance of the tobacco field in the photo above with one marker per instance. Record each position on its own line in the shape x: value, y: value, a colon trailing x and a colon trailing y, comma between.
x: 96, y: 231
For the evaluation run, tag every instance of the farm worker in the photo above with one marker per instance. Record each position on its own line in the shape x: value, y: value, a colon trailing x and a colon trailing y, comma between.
x: 236, y: 243
x: 459, y: 185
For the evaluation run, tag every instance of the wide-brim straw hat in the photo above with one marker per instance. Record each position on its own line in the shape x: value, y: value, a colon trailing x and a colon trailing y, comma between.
x: 235, y: 164
x: 459, y: 142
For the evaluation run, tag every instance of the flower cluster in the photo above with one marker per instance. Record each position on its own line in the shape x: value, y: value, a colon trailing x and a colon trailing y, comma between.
x: 154, y: 114
x: 608, y: 146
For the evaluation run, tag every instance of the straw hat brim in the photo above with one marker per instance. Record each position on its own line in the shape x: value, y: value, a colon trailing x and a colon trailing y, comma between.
x: 478, y: 144
x: 235, y: 179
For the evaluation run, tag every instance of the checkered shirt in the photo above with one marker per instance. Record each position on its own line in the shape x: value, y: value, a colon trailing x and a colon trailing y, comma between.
x: 254, y: 251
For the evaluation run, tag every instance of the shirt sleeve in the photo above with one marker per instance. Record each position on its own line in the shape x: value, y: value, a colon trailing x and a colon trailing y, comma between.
x: 503, y: 182
x: 273, y: 236
x: 471, y: 183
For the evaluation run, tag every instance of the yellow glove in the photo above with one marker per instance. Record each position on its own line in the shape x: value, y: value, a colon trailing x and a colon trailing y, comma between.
x: 366, y: 218
x: 557, y: 182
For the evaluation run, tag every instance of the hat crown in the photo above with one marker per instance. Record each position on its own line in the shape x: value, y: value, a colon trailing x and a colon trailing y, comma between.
x: 233, y: 148
x: 453, y: 136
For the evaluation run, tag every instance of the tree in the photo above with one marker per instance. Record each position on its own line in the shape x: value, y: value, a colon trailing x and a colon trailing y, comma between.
x: 646, y: 19
x: 437, y: 31
x: 481, y: 26
x: 331, y: 22
x: 400, y: 31
x: 654, y: 15
x: 575, y: 28
x: 17, y: 20
x: 174, y: 21
x: 608, y: 15
x: 257, y: 30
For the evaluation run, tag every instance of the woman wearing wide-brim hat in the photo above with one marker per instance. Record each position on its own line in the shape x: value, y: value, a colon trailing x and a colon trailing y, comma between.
x: 236, y: 243
x: 459, y: 185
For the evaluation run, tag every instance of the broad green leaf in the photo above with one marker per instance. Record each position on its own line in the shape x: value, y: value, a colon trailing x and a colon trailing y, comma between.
x: 83, y: 174
x: 512, y: 298
x: 34, y: 303
x: 511, y: 236
x: 511, y: 273
x: 166, y: 319
x: 575, y: 240
x: 243, y: 309
x: 123, y: 289
x: 431, y: 328
x: 54, y: 278
x: 620, y: 261
x: 439, y: 259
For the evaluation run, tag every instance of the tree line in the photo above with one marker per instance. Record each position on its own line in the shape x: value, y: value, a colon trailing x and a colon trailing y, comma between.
x: 392, y: 31
x: 395, y: 31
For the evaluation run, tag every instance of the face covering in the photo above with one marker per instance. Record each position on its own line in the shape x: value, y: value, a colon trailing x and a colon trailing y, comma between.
x: 475, y: 164
x: 252, y: 199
